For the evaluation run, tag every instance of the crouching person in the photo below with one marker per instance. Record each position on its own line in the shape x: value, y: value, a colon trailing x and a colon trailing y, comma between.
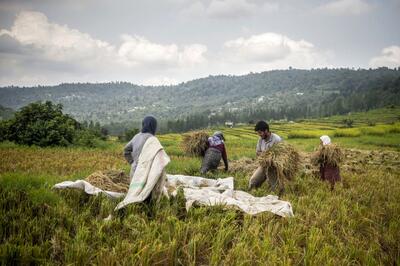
x: 215, y: 151
x: 266, y: 141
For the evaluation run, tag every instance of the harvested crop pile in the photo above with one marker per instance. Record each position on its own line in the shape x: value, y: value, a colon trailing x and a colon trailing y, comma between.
x: 354, y: 160
x: 195, y: 143
x: 281, y: 161
x: 306, y: 166
x: 357, y: 160
x: 328, y: 154
x: 111, y: 180
x: 243, y: 165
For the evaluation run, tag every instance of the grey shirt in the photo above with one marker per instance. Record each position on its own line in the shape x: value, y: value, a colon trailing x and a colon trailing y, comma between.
x: 265, y: 144
x: 133, y: 149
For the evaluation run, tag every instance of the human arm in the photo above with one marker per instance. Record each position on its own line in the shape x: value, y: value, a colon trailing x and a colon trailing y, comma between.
x: 258, y: 147
x: 128, y: 152
x: 225, y: 158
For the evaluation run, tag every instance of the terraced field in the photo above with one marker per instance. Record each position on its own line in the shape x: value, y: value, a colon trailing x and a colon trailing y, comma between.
x: 357, y: 223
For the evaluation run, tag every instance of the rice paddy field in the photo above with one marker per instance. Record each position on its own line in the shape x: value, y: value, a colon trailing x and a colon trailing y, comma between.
x: 358, y: 223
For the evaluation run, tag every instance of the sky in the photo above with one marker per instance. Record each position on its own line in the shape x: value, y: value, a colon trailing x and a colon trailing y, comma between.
x: 164, y: 42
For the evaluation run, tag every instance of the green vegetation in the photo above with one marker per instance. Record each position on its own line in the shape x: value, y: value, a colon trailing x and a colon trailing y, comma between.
x: 128, y: 135
x: 280, y: 94
x: 357, y: 223
x: 348, y: 132
x: 44, y: 124
x: 5, y: 113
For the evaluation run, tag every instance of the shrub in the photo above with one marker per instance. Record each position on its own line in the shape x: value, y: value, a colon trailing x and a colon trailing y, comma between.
x: 128, y: 135
x: 85, y: 138
x: 4, y: 130
x: 42, y: 124
x: 348, y: 122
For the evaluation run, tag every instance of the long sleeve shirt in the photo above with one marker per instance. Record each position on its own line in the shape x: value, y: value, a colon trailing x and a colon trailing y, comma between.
x: 133, y: 149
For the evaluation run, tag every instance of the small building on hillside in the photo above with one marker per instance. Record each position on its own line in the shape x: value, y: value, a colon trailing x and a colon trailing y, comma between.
x: 229, y: 124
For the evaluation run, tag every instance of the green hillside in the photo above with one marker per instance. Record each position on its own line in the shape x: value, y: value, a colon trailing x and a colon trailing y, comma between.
x: 278, y: 94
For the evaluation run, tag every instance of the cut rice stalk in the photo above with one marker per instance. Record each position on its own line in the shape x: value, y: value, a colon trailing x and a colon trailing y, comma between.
x: 195, y: 143
x: 281, y: 161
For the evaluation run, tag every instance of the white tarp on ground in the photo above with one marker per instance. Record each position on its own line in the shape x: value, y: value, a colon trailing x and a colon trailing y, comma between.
x: 209, y: 192
x: 88, y: 188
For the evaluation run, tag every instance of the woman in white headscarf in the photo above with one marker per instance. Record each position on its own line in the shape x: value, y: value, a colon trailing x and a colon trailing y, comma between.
x: 325, y: 140
x: 328, y: 171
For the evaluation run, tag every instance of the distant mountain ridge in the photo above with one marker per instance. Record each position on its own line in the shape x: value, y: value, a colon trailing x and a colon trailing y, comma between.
x: 122, y: 101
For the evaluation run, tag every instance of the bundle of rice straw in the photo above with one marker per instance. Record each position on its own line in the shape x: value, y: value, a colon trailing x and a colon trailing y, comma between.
x: 195, y: 143
x: 111, y: 180
x: 281, y: 161
x: 330, y: 154
x: 243, y: 165
x: 118, y: 176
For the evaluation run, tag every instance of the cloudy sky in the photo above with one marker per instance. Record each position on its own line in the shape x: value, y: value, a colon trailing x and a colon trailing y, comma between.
x: 170, y: 41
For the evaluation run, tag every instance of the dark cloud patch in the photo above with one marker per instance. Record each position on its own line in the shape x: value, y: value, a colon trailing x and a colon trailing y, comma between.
x: 8, y: 45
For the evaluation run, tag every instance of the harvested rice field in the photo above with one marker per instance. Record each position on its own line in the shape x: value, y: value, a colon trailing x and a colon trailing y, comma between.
x: 357, y: 223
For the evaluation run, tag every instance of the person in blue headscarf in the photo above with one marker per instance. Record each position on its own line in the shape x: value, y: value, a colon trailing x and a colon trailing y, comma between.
x: 134, y: 147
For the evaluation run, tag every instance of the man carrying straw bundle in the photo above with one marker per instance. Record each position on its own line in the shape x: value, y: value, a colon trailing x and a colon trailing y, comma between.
x: 215, y: 151
x: 266, y: 141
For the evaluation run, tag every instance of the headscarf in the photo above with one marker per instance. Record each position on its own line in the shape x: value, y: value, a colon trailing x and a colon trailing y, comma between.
x: 216, y: 139
x: 149, y: 125
x: 325, y: 140
x: 219, y: 134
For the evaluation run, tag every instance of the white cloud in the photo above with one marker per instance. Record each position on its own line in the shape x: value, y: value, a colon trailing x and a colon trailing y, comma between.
x: 62, y: 52
x: 272, y: 50
x: 35, y: 50
x: 193, y: 55
x: 139, y: 51
x: 264, y: 47
x: 58, y: 43
x: 345, y: 7
x: 389, y: 57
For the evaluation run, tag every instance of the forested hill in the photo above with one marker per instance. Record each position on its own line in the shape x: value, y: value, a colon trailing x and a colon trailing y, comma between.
x: 290, y: 93
x: 5, y: 113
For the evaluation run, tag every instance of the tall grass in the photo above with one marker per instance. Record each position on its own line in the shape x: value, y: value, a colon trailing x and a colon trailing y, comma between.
x: 357, y: 223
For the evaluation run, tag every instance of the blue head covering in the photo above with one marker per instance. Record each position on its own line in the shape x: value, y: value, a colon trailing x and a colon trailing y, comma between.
x: 219, y: 134
x: 216, y: 139
x: 149, y: 125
